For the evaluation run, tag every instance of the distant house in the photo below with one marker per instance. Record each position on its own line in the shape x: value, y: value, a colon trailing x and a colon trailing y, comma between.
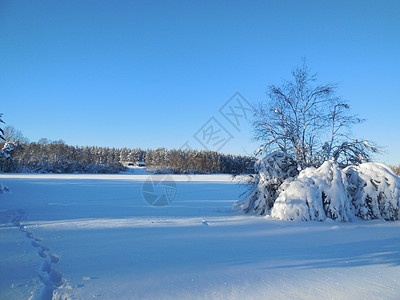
x: 140, y: 164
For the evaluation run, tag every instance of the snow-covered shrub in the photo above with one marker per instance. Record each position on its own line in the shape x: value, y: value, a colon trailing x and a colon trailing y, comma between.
x: 316, y: 194
x: 375, y: 191
x: 8, y: 148
x: 367, y: 191
x: 272, y: 170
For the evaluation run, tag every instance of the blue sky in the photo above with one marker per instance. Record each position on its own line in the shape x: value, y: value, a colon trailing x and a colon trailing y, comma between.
x: 151, y: 73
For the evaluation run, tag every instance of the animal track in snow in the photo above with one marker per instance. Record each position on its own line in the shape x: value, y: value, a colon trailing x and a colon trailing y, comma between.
x: 50, y: 278
x: 35, y: 244
x: 42, y: 253
x: 54, y: 258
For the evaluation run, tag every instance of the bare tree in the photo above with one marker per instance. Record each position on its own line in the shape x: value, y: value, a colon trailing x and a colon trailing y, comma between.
x: 11, y: 134
x: 309, y: 122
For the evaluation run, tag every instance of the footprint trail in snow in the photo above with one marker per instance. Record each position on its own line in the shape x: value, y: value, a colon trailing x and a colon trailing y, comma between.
x: 50, y: 278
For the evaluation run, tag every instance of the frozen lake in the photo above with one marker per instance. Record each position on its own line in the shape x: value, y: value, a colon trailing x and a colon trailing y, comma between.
x: 97, y: 236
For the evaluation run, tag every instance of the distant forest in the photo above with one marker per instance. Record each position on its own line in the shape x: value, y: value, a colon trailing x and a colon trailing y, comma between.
x: 57, y: 157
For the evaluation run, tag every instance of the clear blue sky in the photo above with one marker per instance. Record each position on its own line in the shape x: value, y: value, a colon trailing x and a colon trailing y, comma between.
x: 150, y: 73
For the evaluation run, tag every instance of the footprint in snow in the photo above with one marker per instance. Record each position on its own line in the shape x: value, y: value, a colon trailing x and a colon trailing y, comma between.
x: 54, y: 258
x: 41, y: 253
x: 46, y: 267
x: 35, y: 244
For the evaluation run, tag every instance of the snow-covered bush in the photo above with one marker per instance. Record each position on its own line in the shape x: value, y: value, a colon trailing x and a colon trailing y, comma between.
x: 375, y: 191
x: 316, y: 194
x: 272, y: 170
x: 8, y: 148
x: 367, y: 191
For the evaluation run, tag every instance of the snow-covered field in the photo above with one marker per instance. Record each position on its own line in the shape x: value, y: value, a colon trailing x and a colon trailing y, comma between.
x: 95, y: 236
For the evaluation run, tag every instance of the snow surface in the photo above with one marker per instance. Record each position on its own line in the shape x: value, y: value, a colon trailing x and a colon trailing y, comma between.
x: 94, y: 236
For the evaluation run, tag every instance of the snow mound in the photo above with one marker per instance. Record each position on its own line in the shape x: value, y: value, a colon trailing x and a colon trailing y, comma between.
x: 316, y: 194
x: 375, y: 191
x: 273, y: 169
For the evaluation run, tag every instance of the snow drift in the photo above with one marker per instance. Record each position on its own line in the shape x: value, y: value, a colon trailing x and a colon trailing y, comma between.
x: 368, y: 191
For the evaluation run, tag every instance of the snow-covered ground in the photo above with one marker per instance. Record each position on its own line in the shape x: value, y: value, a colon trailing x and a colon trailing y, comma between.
x: 95, y: 236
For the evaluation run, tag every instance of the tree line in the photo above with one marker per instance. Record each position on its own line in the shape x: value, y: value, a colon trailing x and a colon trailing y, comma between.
x: 57, y: 157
